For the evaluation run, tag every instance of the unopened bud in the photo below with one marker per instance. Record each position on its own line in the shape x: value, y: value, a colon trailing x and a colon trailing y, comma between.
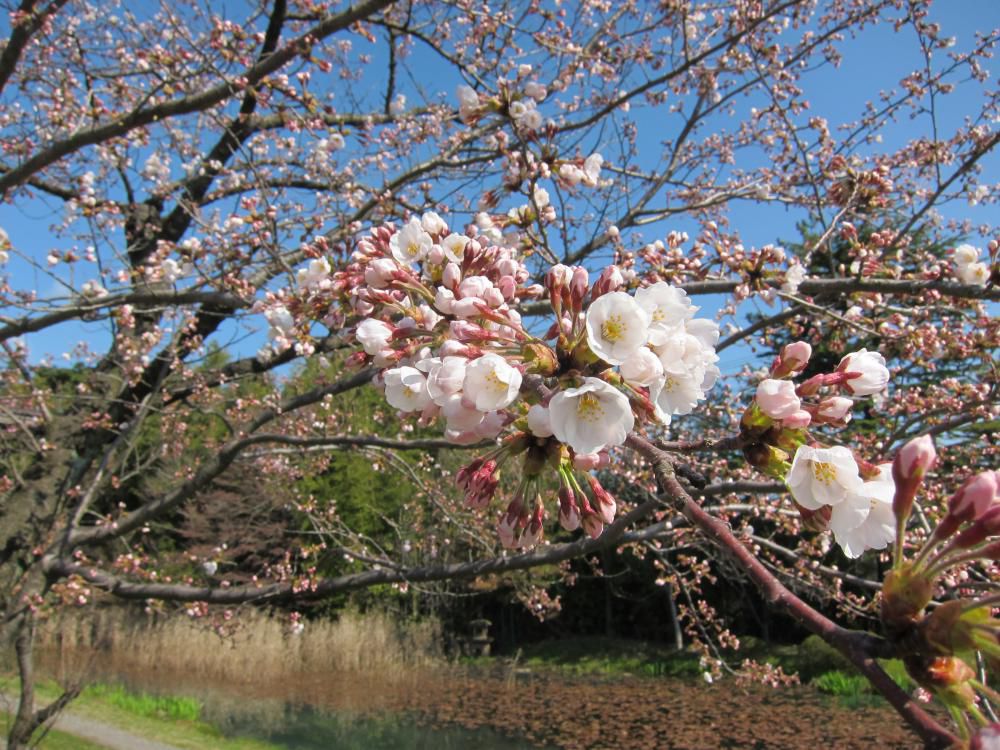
x: 793, y: 359
x: 912, y: 462
x: 986, y: 526
x: 610, y: 280
x: 578, y: 287
x: 606, y: 505
x: 976, y: 495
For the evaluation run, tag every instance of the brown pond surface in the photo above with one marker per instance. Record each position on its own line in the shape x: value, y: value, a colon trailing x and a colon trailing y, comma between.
x: 557, y: 711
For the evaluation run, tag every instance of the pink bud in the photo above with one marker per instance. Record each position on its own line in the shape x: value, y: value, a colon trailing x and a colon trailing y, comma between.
x: 610, y: 280
x: 798, y: 421
x: 976, y: 495
x: 592, y: 525
x: 569, y: 512
x: 835, y: 409
x: 451, y: 276
x: 578, y: 287
x: 793, y: 359
x: 800, y: 351
x: 586, y: 461
x: 606, y: 505
x: 777, y: 399
x: 987, y: 525
x: 916, y: 458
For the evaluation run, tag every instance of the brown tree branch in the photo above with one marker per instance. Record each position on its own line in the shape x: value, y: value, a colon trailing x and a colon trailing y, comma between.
x: 861, y: 649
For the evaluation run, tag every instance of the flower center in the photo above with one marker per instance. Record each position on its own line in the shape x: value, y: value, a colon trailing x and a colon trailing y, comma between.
x: 669, y: 385
x: 588, y: 408
x: 824, y: 472
x: 613, y: 329
x: 659, y: 315
x: 413, y: 249
x: 494, y: 382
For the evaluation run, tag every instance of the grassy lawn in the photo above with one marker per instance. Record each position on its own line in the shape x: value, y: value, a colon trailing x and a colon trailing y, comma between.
x: 54, y: 739
x: 172, y: 720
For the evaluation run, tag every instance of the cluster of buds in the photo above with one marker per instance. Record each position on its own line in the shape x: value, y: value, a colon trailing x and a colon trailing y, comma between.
x: 439, y: 318
x: 938, y: 647
x: 830, y: 487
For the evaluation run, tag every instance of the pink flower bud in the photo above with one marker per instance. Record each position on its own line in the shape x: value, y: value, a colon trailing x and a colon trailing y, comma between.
x: 777, y: 399
x: 986, y: 526
x: 798, y: 421
x: 592, y: 525
x: 507, y: 286
x: 976, y: 496
x: 793, y: 359
x: 556, y: 279
x: 578, y: 287
x: 606, y: 505
x: 451, y: 276
x: 835, y: 409
x: 610, y: 280
x: 586, y: 461
x: 914, y: 460
x: 569, y: 511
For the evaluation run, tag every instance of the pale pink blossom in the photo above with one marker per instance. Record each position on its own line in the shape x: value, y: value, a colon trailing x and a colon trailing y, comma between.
x: 823, y: 476
x: 373, y: 335
x: 777, y: 398
x: 616, y: 327
x: 870, y: 375
x: 491, y: 382
x: 406, y: 388
x: 591, y: 417
x: 864, y: 520
x: 410, y: 244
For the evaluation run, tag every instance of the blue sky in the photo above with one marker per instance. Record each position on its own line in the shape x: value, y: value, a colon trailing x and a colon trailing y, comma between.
x: 875, y: 60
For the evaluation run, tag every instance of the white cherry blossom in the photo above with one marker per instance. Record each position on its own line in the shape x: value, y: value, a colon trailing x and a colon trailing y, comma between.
x: 667, y: 306
x: 491, y: 382
x: 616, y: 327
x: 643, y: 368
x: 591, y: 417
x: 373, y: 335
x: 823, y: 476
x: 864, y: 520
x: 406, y: 388
x: 445, y: 377
x: 872, y: 375
x: 410, y: 244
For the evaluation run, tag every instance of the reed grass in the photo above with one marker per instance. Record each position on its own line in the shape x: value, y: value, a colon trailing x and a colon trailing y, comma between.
x: 260, y: 648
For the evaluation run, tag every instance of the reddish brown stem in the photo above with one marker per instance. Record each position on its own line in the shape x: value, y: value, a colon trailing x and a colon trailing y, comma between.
x: 861, y: 649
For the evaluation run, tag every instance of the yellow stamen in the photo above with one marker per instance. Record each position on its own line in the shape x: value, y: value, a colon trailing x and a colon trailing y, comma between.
x: 824, y: 472
x: 589, y: 408
x: 613, y: 329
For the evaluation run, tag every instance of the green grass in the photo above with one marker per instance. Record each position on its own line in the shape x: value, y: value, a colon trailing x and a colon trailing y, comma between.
x: 53, y: 739
x: 610, y: 657
x: 150, y: 706
x: 172, y: 720
x: 854, y: 691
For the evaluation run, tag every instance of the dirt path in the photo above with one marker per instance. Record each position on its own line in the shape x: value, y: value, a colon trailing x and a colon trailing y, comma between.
x: 107, y: 735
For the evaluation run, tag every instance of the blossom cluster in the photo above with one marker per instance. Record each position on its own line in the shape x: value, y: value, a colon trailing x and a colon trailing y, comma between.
x: 968, y: 268
x: 438, y: 317
x: 829, y: 485
x: 939, y: 648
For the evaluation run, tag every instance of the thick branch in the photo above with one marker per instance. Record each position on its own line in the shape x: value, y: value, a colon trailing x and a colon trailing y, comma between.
x: 860, y: 648
x: 194, y: 103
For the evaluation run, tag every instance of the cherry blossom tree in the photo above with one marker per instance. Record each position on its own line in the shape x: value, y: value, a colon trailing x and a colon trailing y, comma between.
x: 502, y: 217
